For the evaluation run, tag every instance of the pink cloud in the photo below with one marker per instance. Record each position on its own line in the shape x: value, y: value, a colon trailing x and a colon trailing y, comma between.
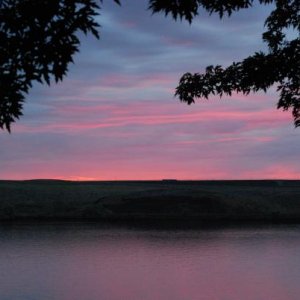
x: 153, y: 114
x: 137, y: 81
x: 276, y: 171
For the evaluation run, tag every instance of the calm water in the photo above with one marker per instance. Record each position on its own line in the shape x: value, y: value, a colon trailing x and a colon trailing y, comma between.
x: 92, y: 262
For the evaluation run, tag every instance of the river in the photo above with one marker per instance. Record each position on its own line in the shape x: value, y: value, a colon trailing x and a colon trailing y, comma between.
x: 77, y: 261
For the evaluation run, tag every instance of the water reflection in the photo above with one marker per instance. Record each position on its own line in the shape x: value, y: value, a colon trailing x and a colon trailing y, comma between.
x: 90, y: 261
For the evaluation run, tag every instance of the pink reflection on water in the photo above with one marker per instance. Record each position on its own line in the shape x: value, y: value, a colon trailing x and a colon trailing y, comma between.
x: 213, y: 265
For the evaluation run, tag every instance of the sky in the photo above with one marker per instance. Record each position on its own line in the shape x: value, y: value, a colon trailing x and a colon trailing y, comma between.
x: 115, y: 117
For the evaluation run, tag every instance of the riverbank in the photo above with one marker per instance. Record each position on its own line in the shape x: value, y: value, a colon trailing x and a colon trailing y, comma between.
x: 200, y: 201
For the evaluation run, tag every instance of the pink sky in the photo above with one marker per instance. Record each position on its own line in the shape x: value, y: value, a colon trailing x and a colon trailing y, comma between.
x: 115, y: 117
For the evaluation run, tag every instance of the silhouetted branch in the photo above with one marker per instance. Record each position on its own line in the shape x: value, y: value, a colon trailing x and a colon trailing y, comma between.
x: 257, y: 72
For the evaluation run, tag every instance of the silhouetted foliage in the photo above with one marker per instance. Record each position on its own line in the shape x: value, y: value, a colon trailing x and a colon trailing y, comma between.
x: 281, y: 65
x: 38, y: 39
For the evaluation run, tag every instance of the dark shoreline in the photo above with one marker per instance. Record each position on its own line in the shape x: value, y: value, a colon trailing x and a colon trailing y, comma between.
x: 165, y: 203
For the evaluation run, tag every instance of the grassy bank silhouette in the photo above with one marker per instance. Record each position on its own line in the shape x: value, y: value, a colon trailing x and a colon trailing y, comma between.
x: 201, y: 201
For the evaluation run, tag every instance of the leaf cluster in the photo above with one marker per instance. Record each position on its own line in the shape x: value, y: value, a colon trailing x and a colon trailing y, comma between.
x: 38, y: 39
x: 188, y: 9
x: 280, y: 65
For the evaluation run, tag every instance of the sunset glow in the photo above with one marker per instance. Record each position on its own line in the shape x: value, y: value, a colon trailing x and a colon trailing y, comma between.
x: 115, y: 117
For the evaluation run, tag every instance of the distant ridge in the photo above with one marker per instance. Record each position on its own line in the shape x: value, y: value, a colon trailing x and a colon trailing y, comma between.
x: 169, y: 180
x: 235, y: 182
x: 201, y: 201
